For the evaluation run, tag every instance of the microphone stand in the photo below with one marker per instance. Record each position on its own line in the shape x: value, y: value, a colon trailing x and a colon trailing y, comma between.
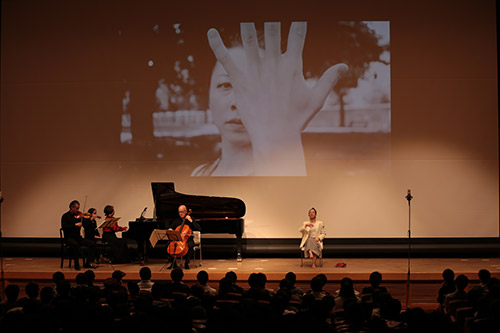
x: 408, y: 197
x: 2, y: 276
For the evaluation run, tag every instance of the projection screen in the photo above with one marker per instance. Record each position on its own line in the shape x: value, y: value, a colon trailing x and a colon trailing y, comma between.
x: 285, y: 105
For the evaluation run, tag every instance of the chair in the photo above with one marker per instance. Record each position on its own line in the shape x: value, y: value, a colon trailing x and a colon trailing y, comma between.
x: 65, y: 249
x: 197, y: 245
x: 303, y: 256
x: 103, y: 251
x: 456, y: 304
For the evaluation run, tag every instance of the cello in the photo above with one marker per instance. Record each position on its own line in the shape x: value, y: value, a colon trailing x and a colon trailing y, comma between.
x: 178, y: 249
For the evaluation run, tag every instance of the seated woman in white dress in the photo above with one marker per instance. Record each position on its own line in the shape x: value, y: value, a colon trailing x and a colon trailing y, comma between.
x: 313, y: 233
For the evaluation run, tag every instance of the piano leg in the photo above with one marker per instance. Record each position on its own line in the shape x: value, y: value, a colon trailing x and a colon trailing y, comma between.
x: 239, y: 258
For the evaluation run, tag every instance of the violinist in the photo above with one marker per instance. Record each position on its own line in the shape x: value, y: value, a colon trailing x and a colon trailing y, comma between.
x: 184, y: 216
x: 90, y: 225
x: 119, y: 249
x: 71, y: 223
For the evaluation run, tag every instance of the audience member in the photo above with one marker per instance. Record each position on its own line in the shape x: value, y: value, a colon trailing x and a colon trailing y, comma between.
x: 461, y: 282
x: 233, y: 278
x: 447, y: 287
x: 202, y: 278
x: 145, y: 284
x: 345, y: 293
x: 85, y: 308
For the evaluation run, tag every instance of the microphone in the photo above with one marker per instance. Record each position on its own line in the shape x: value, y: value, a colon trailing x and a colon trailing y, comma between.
x: 409, y: 196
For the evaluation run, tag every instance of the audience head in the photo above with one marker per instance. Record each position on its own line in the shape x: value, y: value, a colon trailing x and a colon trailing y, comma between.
x: 176, y: 275
x: 253, y: 280
x: 118, y: 275
x: 286, y: 284
x: 90, y: 275
x: 32, y: 290
x: 12, y: 292
x: 63, y: 288
x: 448, y: 275
x: 307, y: 301
x: 81, y: 279
x: 145, y: 273
x: 484, y: 275
x: 225, y: 285
x: 316, y: 284
x: 461, y: 282
x: 375, y: 279
x: 323, y: 278
x: 290, y: 276
x: 346, y: 288
x: 202, y: 277
x: 232, y: 276
x: 46, y: 295
x: 262, y: 280
x: 57, y: 276
x: 111, y: 284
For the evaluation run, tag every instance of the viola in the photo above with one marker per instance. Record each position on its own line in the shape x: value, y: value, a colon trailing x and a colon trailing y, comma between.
x: 180, y: 248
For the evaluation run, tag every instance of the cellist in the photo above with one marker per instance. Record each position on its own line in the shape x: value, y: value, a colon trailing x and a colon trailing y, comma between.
x: 193, y: 225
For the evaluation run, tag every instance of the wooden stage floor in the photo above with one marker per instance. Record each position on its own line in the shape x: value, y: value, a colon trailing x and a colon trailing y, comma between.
x: 425, y: 273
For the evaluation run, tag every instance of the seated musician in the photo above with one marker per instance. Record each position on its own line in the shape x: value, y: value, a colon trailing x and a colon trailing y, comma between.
x: 90, y: 225
x: 71, y: 223
x: 119, y: 249
x: 193, y: 225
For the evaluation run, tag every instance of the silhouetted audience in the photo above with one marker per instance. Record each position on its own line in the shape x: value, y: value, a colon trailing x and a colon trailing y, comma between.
x: 447, y: 287
x: 174, y: 307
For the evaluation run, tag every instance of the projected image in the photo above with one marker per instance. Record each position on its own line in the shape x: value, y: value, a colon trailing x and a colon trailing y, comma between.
x: 269, y: 99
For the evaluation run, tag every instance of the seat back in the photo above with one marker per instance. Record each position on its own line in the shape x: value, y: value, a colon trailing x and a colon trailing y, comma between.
x: 197, y: 237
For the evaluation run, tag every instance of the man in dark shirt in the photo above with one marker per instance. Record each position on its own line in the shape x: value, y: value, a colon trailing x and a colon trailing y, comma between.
x: 71, y: 225
x: 188, y: 220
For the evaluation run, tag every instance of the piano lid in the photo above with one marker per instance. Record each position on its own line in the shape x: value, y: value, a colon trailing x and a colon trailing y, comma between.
x: 167, y: 202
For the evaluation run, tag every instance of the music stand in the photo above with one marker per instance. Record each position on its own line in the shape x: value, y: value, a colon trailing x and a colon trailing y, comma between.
x: 108, y: 223
x: 171, y: 235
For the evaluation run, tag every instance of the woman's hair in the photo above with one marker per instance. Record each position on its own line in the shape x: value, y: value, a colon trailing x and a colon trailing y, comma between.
x: 108, y: 209
x: 315, y: 212
x: 91, y: 210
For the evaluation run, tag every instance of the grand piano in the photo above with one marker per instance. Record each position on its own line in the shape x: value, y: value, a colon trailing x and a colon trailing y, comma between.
x: 216, y: 215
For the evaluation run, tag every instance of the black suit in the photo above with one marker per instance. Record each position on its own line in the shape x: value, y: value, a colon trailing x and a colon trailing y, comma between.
x: 75, y: 241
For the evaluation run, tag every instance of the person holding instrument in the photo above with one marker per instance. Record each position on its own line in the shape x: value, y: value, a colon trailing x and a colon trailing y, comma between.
x: 90, y: 225
x: 71, y: 223
x: 119, y: 249
x: 185, y: 220
x: 90, y: 232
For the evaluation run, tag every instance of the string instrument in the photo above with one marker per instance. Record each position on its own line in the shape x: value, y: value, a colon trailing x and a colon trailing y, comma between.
x: 79, y: 215
x: 180, y: 248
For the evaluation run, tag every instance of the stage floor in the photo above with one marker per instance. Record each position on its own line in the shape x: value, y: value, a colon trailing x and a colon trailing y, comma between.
x: 358, y: 269
x: 425, y: 273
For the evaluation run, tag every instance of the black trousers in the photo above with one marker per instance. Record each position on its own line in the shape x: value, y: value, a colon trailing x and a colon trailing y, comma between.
x: 84, y: 246
x: 119, y: 249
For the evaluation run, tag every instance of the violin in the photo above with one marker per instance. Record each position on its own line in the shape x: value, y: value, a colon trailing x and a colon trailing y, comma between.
x: 180, y: 248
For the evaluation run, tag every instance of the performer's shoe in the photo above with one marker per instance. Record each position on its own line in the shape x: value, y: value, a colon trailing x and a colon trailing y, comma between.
x: 89, y: 265
x: 172, y: 266
x: 186, y: 266
x: 77, y: 267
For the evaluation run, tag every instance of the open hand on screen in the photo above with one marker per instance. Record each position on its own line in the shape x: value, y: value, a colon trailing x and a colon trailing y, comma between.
x: 269, y: 92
